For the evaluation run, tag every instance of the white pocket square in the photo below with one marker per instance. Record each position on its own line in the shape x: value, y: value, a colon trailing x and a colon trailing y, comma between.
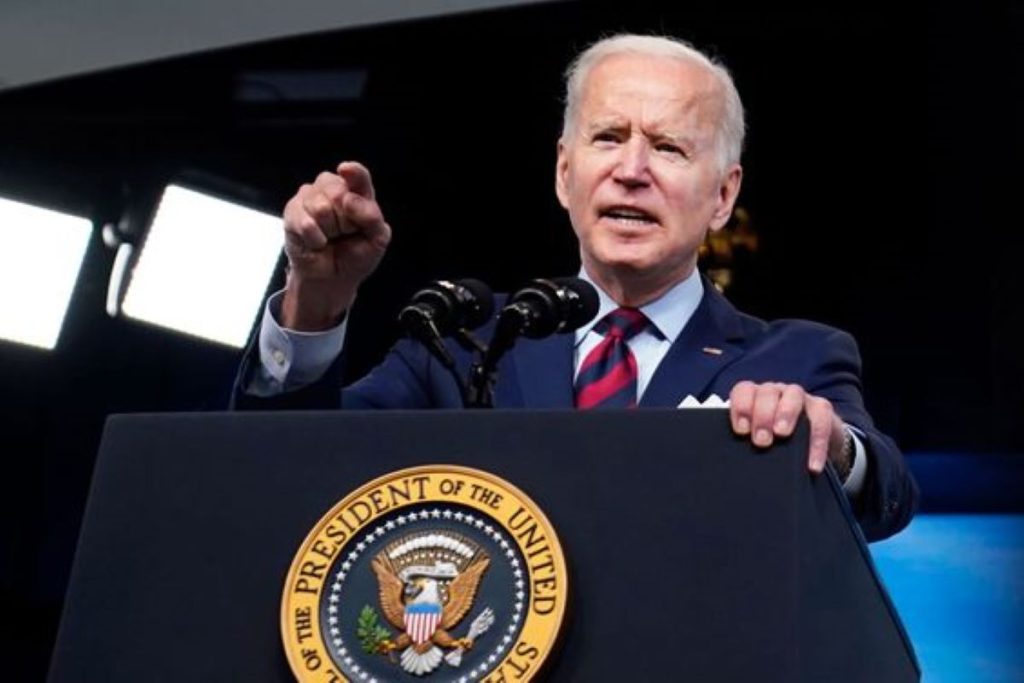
x: 713, y: 401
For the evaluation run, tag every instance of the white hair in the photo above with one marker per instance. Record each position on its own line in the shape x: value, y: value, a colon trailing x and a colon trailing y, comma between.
x: 731, y: 127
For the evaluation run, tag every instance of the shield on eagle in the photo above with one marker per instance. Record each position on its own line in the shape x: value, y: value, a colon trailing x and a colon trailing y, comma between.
x: 421, y: 621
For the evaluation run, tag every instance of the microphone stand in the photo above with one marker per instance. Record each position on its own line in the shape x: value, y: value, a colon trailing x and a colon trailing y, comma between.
x: 478, y: 390
x: 481, y: 386
x: 483, y: 374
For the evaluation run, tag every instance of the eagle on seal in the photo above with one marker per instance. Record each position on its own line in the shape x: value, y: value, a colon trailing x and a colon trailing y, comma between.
x: 424, y: 604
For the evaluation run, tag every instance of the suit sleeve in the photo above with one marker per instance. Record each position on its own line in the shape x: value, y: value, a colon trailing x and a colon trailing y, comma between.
x: 407, y: 379
x: 890, y: 495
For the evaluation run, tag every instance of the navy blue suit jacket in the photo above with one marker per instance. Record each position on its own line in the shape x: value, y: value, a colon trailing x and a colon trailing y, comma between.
x: 538, y: 374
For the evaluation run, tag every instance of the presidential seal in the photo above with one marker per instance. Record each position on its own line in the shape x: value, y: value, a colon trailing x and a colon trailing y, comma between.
x: 434, y: 573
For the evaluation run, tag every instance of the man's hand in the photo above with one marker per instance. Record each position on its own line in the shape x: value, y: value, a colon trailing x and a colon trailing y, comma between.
x: 769, y: 410
x: 335, y: 235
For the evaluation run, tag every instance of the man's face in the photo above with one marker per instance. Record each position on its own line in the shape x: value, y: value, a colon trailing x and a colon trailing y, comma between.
x: 638, y: 170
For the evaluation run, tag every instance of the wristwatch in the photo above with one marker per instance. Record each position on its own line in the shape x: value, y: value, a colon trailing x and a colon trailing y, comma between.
x: 844, y: 462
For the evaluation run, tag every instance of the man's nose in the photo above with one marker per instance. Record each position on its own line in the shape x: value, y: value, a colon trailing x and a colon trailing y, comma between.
x: 633, y: 168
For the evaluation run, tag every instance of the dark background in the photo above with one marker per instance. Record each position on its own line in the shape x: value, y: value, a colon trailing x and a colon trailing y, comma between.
x: 881, y: 174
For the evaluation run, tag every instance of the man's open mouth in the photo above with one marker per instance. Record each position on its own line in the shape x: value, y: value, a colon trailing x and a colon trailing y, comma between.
x: 628, y: 214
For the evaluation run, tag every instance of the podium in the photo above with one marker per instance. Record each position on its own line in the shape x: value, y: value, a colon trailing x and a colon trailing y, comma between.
x: 691, y: 554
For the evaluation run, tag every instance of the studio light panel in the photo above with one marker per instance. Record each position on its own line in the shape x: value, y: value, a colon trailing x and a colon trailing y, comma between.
x: 205, y: 266
x: 41, y: 254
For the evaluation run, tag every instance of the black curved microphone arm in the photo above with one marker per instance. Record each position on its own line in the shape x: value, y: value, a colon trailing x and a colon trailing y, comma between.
x: 448, y: 308
x: 418, y: 324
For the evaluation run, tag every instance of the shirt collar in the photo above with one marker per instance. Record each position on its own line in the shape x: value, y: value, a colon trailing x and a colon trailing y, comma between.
x: 669, y: 313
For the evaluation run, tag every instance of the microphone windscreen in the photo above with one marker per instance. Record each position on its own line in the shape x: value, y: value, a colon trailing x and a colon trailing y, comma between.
x: 584, y: 304
x: 483, y: 308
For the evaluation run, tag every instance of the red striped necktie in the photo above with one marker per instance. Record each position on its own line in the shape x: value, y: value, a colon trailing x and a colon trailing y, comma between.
x: 607, y: 378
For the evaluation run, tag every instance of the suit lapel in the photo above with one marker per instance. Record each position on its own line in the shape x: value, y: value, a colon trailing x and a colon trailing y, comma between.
x: 544, y: 370
x: 711, y: 341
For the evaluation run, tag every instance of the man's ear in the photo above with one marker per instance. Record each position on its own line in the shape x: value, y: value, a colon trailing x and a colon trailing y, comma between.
x: 728, y: 191
x: 561, y: 173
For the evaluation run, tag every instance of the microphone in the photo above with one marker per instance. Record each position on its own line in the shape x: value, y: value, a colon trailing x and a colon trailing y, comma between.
x: 542, y: 308
x: 549, y: 306
x: 444, y: 307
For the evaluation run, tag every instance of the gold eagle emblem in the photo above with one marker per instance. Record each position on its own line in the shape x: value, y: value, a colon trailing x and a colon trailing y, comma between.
x: 427, y: 585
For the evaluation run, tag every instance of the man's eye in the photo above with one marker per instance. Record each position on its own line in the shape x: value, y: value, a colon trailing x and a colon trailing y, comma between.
x: 668, y: 148
x: 606, y: 137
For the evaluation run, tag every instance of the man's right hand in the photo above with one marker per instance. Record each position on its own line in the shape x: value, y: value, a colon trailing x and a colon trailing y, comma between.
x: 335, y: 235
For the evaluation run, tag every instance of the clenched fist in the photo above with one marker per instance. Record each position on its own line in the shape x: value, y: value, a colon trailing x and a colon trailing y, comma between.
x: 335, y: 235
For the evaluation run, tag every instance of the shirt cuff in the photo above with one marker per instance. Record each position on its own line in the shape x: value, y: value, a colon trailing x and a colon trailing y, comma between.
x: 859, y: 467
x: 290, y: 359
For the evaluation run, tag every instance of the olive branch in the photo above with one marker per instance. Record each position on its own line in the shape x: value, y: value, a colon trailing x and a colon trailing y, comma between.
x: 371, y: 633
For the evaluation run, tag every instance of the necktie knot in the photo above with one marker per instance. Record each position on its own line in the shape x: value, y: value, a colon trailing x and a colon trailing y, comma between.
x: 622, y: 323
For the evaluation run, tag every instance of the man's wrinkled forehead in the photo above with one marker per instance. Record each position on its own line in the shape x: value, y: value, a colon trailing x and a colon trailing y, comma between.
x: 695, y: 93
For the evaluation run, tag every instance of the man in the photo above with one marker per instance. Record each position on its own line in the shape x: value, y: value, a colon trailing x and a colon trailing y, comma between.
x: 648, y: 162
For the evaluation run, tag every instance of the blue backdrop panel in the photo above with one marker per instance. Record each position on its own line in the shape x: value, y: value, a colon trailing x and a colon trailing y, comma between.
x: 958, y: 583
